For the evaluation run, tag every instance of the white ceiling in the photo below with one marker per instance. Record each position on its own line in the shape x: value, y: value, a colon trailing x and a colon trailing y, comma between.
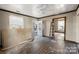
x: 39, y: 10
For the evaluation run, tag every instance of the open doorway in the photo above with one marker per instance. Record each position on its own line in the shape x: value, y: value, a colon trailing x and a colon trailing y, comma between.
x: 58, y: 28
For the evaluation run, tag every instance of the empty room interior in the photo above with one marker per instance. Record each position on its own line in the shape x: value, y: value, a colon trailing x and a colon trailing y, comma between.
x: 39, y: 28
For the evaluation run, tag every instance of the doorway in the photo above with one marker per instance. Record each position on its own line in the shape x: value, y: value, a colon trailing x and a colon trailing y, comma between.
x: 37, y: 28
x: 60, y: 27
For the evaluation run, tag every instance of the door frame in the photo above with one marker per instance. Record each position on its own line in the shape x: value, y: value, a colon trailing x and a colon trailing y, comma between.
x: 64, y: 27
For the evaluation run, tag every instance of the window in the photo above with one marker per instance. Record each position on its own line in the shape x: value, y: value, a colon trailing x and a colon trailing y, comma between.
x: 16, y: 22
